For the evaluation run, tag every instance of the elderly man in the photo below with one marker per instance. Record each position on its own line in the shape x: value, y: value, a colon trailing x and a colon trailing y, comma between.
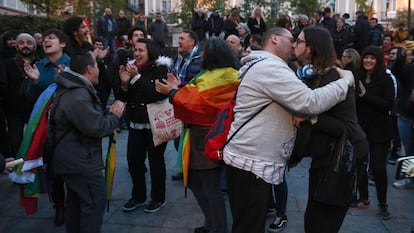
x: 256, y: 156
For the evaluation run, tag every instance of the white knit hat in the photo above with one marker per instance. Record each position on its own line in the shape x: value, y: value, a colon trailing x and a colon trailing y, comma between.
x: 26, y: 36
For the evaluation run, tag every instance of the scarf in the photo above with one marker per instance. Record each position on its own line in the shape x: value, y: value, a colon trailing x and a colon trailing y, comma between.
x: 180, y: 72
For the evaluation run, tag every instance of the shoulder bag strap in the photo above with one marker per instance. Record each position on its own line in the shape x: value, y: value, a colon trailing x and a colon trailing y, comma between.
x: 234, y: 98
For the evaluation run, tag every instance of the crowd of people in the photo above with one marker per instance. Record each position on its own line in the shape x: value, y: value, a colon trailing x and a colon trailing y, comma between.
x: 348, y: 82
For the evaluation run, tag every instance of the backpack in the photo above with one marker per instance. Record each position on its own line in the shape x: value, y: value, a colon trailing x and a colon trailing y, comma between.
x: 51, y: 140
x: 216, y: 138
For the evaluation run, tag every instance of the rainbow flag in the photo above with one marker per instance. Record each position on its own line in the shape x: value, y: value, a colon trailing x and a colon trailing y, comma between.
x: 205, y: 95
x: 184, y: 152
x: 198, y: 103
x: 31, y: 150
x: 86, y: 22
x: 371, y: 10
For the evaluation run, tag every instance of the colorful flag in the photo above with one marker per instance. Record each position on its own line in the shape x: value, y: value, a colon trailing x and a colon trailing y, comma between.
x: 110, y: 167
x: 371, y: 10
x: 86, y: 22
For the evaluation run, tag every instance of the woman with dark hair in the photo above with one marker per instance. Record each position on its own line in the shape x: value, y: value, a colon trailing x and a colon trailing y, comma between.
x: 284, y: 22
x: 138, y: 90
x: 376, y: 95
x: 8, y: 48
x: 329, y: 128
x: 197, y: 103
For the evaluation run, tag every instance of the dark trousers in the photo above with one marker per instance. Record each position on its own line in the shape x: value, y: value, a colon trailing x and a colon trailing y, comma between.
x: 58, y: 191
x: 249, y: 198
x: 361, y: 166
x: 378, y: 165
x: 15, y: 125
x: 139, y: 144
x: 321, y: 218
x: 85, y: 202
x: 362, y: 179
x: 205, y: 185
x: 278, y: 198
x: 396, y: 139
x: 4, y: 141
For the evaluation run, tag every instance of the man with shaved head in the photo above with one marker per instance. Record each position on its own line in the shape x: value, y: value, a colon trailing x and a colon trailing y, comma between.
x: 107, y: 29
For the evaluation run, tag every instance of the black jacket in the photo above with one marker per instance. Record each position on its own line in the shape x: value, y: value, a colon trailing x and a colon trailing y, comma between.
x: 143, y: 92
x: 80, y: 125
x: 373, y: 108
x: 15, y: 99
x: 341, y: 118
x: 256, y: 27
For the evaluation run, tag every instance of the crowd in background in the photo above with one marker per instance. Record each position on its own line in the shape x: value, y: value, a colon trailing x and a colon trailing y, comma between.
x: 127, y: 53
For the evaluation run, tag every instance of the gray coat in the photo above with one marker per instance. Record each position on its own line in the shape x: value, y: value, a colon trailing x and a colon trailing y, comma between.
x: 81, y: 124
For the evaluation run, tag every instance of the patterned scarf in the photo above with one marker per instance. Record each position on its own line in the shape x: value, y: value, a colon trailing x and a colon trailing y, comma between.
x: 180, y: 72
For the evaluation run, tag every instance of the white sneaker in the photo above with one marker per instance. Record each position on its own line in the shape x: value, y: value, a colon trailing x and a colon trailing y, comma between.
x: 403, y: 183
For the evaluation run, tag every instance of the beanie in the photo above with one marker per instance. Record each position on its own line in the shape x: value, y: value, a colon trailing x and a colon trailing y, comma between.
x: 26, y: 36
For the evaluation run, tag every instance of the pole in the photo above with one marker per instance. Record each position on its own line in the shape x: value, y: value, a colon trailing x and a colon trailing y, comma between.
x: 409, y: 15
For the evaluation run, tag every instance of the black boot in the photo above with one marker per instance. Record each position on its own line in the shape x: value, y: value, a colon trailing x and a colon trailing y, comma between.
x: 60, y: 215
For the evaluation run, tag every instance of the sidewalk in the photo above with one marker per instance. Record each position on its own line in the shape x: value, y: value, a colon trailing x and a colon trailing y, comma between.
x: 182, y: 215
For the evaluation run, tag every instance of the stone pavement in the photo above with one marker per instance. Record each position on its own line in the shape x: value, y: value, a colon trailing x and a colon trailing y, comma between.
x: 182, y: 215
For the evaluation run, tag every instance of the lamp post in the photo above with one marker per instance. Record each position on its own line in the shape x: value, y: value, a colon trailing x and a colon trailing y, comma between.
x: 409, y: 15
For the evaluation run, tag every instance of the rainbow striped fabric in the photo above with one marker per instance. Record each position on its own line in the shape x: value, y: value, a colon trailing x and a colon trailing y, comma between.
x: 205, y: 95
x: 198, y: 103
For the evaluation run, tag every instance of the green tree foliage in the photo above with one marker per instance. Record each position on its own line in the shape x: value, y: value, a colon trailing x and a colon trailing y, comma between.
x: 305, y: 7
x: 28, y: 24
x: 362, y: 5
x: 48, y: 7
x: 402, y: 17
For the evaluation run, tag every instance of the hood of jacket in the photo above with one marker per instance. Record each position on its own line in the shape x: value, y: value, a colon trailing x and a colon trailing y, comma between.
x: 70, y: 79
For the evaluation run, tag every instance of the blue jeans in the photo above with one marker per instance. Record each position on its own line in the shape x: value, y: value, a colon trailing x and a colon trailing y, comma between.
x: 109, y: 41
x: 406, y: 133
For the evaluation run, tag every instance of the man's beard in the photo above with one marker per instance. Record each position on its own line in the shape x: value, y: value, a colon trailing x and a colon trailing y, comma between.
x: 26, y: 52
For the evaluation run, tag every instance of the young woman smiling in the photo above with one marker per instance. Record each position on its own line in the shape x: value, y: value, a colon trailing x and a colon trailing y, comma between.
x: 375, y: 99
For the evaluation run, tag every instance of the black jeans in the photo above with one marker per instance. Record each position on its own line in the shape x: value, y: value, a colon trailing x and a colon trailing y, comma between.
x: 139, y: 144
x: 249, y: 198
x: 278, y: 197
x: 378, y: 165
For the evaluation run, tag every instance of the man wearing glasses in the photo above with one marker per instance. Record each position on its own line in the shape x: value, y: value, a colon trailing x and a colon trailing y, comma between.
x: 256, y: 157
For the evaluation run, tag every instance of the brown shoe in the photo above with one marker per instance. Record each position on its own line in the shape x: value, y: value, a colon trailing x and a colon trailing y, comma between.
x: 60, y: 215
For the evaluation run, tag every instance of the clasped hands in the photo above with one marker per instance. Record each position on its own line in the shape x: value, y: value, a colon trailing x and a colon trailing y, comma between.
x: 166, y: 85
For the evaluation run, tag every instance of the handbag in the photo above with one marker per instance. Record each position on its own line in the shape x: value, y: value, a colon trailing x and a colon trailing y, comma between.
x: 337, y: 185
x: 164, y: 126
x: 216, y: 138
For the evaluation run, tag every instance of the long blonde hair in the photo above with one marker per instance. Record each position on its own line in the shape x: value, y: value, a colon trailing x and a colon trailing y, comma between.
x: 253, y: 15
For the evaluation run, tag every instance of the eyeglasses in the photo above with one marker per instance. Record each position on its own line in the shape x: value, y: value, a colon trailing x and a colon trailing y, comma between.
x: 289, y: 37
x: 393, y: 53
x: 346, y: 56
x: 50, y: 37
x: 298, y: 41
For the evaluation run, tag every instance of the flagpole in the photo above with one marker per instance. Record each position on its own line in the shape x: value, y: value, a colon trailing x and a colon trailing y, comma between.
x: 409, y: 15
